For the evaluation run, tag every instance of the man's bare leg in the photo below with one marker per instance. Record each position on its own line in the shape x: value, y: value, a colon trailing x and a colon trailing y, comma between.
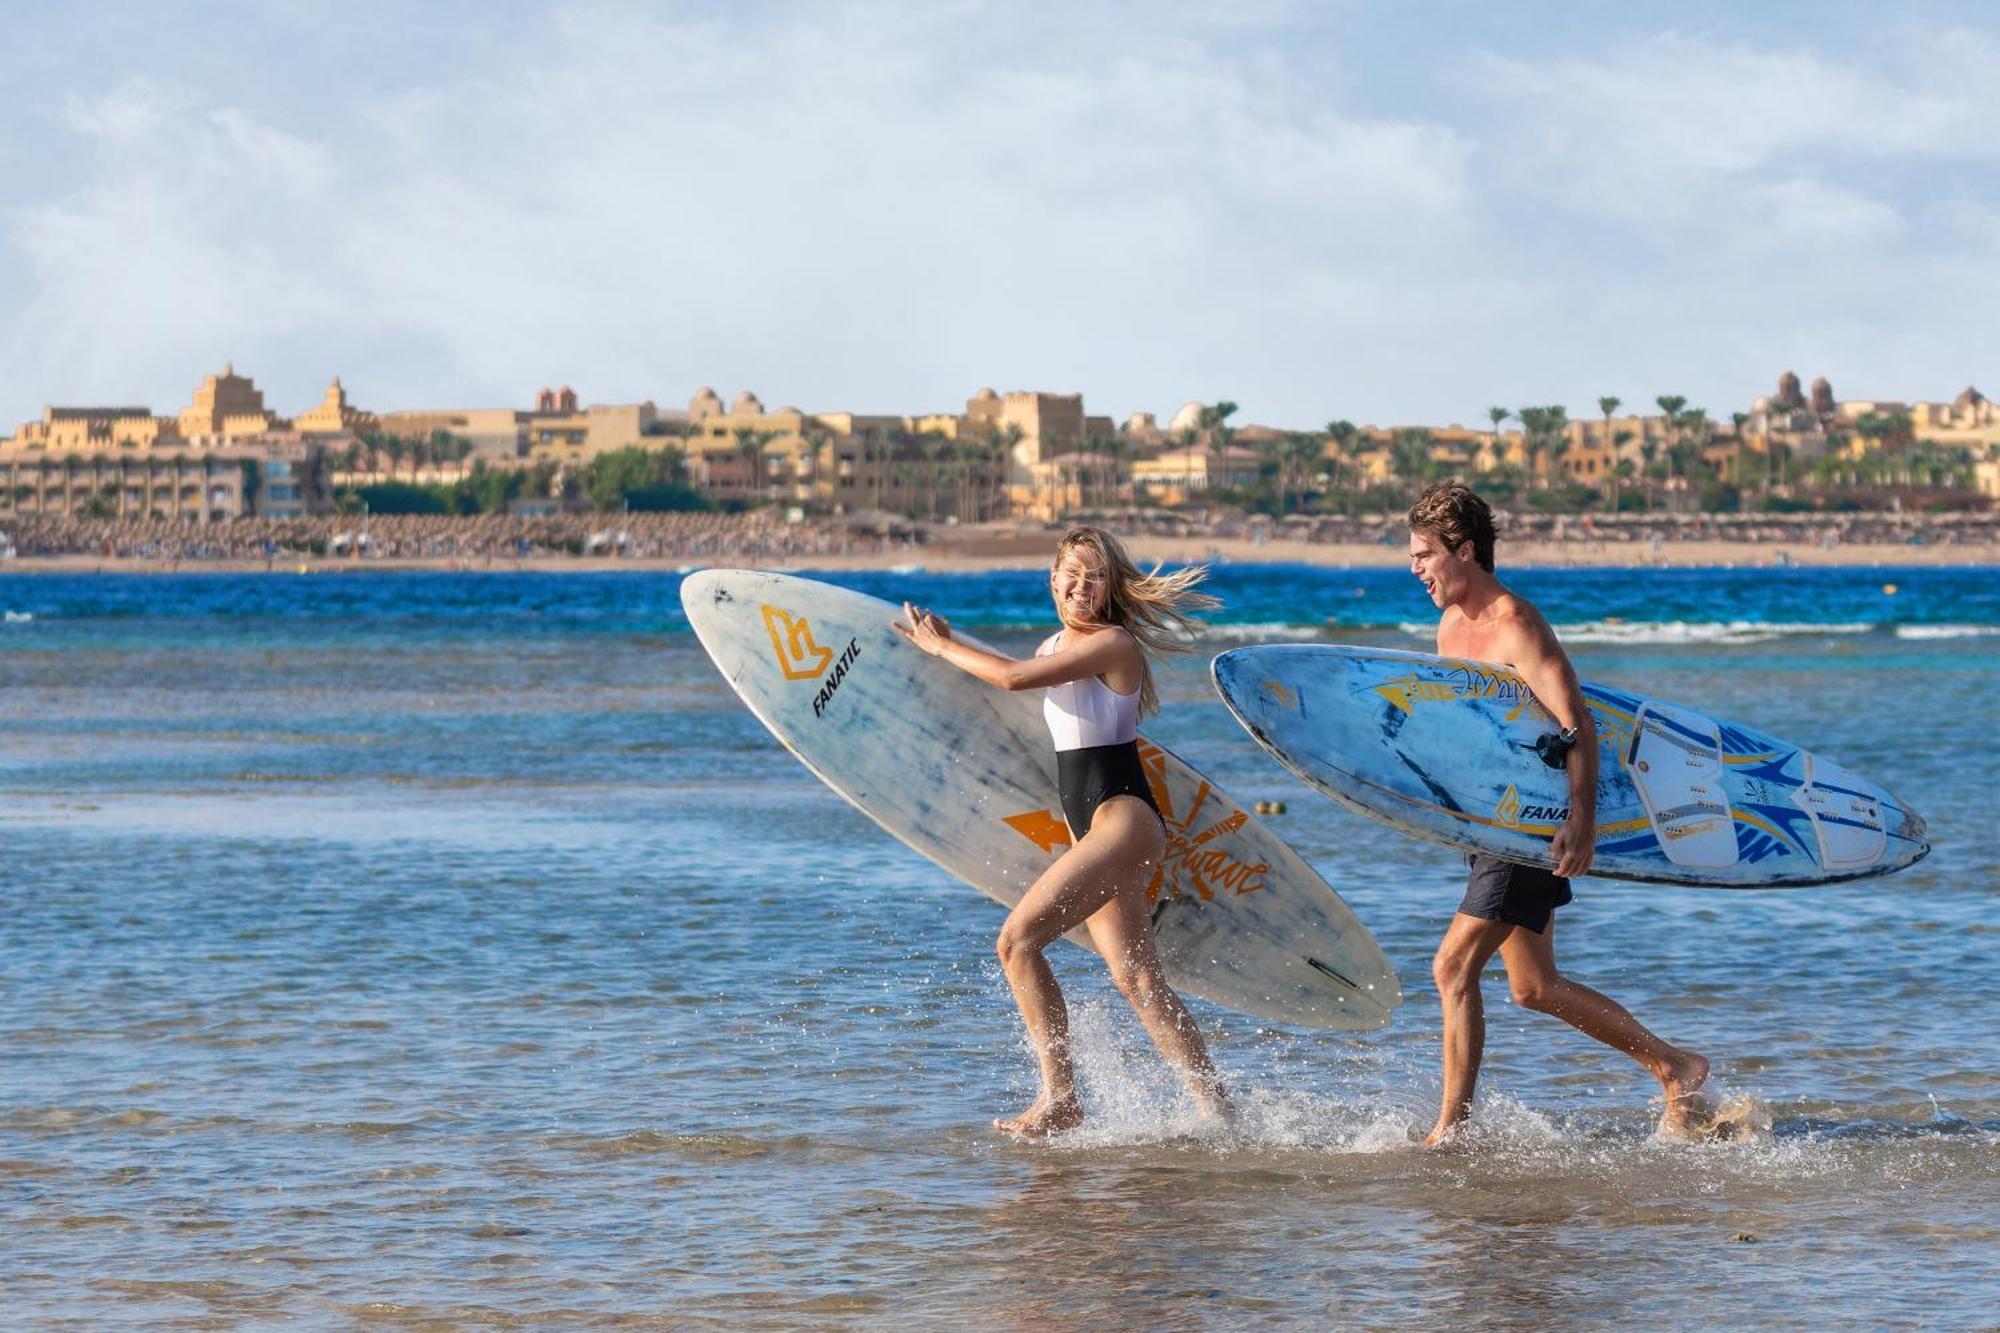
x: 1537, y: 984
x: 1468, y: 944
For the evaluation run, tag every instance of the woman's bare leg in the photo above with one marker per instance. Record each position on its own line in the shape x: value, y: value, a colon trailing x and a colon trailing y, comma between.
x: 1123, y: 933
x: 1081, y: 881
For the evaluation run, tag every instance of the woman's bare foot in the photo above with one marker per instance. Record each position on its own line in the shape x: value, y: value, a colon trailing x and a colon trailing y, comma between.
x: 1214, y: 1101
x: 1682, y: 1084
x: 1047, y: 1116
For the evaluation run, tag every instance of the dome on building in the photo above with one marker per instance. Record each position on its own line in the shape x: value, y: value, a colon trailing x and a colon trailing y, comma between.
x: 1188, y: 418
x: 746, y: 404
x: 706, y: 403
x: 986, y: 395
x: 788, y: 412
x: 1140, y: 422
x: 1762, y: 404
x: 1970, y: 398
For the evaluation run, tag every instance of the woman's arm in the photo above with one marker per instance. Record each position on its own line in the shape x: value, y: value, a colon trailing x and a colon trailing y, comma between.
x: 1089, y: 655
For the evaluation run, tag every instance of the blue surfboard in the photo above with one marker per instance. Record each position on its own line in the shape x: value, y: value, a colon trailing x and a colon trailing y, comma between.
x: 1444, y: 750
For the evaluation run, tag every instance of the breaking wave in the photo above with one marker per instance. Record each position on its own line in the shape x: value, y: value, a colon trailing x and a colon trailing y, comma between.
x: 1947, y: 631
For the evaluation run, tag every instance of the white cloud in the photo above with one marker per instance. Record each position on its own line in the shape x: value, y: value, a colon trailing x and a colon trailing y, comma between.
x: 883, y: 207
x: 832, y: 211
x: 1810, y: 211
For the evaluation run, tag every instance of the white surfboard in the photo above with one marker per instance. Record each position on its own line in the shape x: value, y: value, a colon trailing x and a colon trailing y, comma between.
x: 964, y: 773
x: 1444, y: 749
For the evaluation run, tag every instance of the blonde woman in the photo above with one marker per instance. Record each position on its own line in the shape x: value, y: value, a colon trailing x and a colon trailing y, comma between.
x: 1099, y: 683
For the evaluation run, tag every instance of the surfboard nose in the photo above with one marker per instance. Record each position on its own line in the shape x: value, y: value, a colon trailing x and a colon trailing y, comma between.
x: 698, y: 588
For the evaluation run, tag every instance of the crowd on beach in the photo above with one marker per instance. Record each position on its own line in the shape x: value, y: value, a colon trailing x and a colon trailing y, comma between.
x: 474, y: 539
x: 1802, y: 529
x: 765, y: 535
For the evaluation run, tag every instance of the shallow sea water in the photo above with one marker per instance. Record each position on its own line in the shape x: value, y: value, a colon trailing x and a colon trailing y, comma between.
x: 456, y: 951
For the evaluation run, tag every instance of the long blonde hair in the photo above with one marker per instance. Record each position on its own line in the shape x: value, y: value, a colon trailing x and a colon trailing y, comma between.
x: 1153, y: 608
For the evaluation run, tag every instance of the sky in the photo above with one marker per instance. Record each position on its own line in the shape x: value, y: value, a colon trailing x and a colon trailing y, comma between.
x: 1392, y: 213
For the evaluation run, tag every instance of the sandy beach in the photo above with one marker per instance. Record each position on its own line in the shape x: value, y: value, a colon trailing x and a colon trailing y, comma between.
x: 946, y: 557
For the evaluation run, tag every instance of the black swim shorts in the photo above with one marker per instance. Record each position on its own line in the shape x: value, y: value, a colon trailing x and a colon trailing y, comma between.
x: 1497, y: 890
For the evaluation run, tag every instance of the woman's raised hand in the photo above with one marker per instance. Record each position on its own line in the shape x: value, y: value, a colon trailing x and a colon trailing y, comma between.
x: 929, y: 632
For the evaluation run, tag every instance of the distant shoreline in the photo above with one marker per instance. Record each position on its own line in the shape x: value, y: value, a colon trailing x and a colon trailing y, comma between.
x: 1695, y: 554
x: 762, y: 539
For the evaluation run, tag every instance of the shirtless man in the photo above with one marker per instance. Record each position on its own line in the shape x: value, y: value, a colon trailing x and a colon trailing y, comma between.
x: 1510, y: 908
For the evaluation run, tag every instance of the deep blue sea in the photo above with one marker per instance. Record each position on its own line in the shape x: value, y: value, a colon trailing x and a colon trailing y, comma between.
x: 456, y: 950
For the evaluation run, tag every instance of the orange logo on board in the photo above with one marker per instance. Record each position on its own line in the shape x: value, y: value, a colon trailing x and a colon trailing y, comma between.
x: 1197, y: 862
x: 798, y: 655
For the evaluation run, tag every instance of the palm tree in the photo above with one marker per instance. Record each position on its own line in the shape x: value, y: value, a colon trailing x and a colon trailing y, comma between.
x: 1271, y: 455
x: 972, y: 455
x: 1217, y: 434
x: 1621, y: 470
x: 1621, y: 466
x: 1607, y: 405
x: 1670, y: 405
x: 936, y: 450
x: 1123, y: 451
x: 1688, y: 447
x: 1008, y: 439
x: 750, y: 456
x: 1345, y: 436
x: 1498, y: 416
x: 1302, y: 450
x: 1541, y: 429
x: 1649, y: 451
x: 1410, y: 453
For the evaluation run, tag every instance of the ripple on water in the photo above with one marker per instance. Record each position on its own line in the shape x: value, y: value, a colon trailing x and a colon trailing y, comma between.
x: 402, y: 964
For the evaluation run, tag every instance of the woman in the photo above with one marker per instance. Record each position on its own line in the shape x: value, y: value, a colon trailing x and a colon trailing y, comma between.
x: 1099, y: 683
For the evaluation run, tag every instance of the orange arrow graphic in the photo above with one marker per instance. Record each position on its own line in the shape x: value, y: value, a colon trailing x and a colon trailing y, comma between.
x: 1042, y: 828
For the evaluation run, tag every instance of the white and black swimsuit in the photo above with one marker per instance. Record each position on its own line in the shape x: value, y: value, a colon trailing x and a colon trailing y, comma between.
x: 1096, y: 733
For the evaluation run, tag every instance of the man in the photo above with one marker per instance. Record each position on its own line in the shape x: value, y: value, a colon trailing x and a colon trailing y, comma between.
x: 1510, y: 908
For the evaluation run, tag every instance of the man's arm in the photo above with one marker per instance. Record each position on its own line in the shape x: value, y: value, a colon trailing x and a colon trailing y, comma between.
x: 1545, y: 669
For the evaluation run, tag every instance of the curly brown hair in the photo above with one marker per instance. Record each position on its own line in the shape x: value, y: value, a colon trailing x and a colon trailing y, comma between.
x: 1451, y: 512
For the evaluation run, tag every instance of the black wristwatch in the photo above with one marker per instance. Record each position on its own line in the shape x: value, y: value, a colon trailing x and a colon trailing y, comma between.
x: 1555, y: 749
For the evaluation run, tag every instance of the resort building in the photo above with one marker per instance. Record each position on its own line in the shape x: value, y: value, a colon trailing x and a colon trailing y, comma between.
x: 226, y: 406
x: 195, y: 488
x: 224, y: 456
x: 335, y: 416
x: 495, y: 433
x: 560, y: 431
x: 89, y: 429
x: 938, y: 465
x: 1179, y: 475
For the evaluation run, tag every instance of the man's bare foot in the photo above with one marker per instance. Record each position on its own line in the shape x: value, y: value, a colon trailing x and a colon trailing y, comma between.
x: 1044, y: 1118
x: 1682, y: 1084
x: 1445, y: 1135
